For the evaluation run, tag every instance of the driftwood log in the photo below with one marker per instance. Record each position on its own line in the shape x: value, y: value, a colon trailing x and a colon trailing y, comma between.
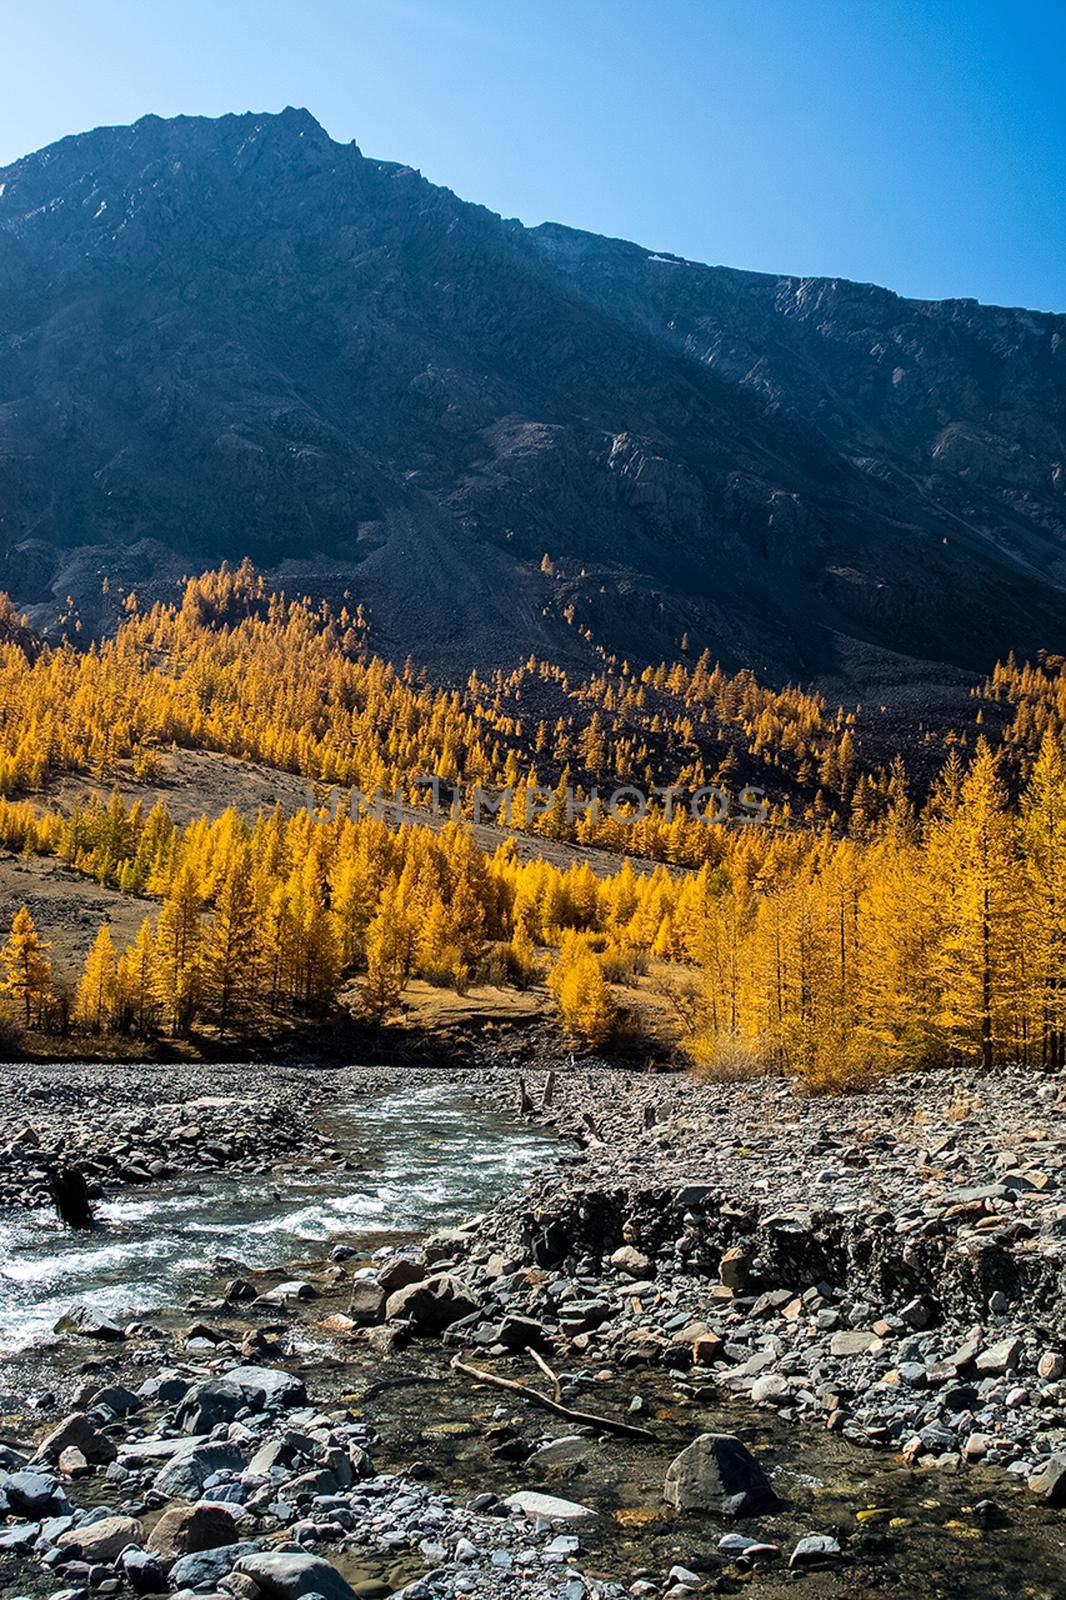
x: 535, y: 1398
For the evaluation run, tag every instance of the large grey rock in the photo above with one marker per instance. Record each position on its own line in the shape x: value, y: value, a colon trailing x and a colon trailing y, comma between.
x: 814, y: 1548
x: 245, y: 1388
x: 208, y: 1566
x: 281, y: 1575
x: 28, y: 1494
x: 214, y: 1401
x: 185, y: 1474
x: 853, y: 1342
x: 718, y: 1473
x: 89, y: 1324
x: 432, y: 1305
x: 367, y: 1304
x: 279, y: 1388
x: 399, y: 1273
x: 999, y: 1358
x: 563, y: 1452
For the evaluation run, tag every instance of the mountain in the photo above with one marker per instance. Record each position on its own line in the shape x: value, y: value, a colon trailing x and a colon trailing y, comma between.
x: 232, y: 336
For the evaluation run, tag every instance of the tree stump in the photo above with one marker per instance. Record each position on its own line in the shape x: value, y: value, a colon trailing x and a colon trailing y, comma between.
x: 70, y: 1196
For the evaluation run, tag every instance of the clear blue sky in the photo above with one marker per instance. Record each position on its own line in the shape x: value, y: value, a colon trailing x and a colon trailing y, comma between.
x: 915, y: 143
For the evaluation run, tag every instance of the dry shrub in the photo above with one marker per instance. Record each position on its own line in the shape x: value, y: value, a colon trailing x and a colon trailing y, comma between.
x: 852, y: 1065
x: 623, y: 963
x: 725, y: 1059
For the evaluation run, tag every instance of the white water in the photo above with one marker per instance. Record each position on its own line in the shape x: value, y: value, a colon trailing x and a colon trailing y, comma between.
x: 423, y: 1158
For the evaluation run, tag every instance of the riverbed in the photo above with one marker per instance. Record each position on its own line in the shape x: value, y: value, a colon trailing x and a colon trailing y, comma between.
x: 415, y: 1158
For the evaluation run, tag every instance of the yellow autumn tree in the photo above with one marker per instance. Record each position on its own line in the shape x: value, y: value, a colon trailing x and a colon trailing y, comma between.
x: 94, y: 1002
x: 28, y: 972
x: 582, y: 994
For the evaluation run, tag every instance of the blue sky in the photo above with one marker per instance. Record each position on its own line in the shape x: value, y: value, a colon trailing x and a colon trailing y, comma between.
x: 915, y: 143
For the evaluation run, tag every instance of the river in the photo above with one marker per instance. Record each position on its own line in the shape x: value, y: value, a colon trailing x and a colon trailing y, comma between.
x: 419, y: 1158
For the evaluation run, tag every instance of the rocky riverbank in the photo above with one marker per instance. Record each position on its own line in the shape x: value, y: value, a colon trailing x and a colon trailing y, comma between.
x: 884, y: 1272
x: 893, y: 1265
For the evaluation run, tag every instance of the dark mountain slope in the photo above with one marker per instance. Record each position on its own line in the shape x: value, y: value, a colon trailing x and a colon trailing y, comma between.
x: 236, y: 336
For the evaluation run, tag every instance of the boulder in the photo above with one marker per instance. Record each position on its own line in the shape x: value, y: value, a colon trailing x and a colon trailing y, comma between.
x: 718, y: 1473
x: 288, y: 1294
x: 76, y: 1432
x: 430, y: 1306
x: 399, y: 1273
x: 367, y: 1304
x: 284, y: 1575
x: 101, y: 1542
x: 213, y: 1401
x: 279, y: 1388
x: 184, y: 1475
x: 28, y: 1494
x: 734, y: 1270
x: 245, y: 1388
x: 853, y: 1342
x: 183, y: 1529
x: 142, y: 1572
x: 565, y: 1451
x: 88, y: 1324
x: 202, y: 1567
x: 813, y: 1549
x: 117, y: 1398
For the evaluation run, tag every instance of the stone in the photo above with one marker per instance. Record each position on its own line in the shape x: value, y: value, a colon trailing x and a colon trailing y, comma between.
x: 999, y: 1358
x: 734, y: 1270
x: 184, y: 1476
x: 707, y: 1348
x: 1049, y: 1481
x: 281, y: 1575
x: 367, y: 1304
x: 399, y: 1273
x: 143, y: 1572
x: 716, y: 1472
x: 814, y: 1548
x: 78, y: 1433
x: 1051, y: 1365
x: 73, y: 1464
x: 523, y: 1333
x: 183, y: 1529
x: 290, y: 1293
x: 29, y: 1494
x: 20, y: 1539
x: 203, y: 1567
x: 88, y: 1324
x: 770, y: 1389
x: 102, y: 1541
x: 853, y: 1342
x: 918, y: 1313
x: 564, y: 1451
x: 279, y: 1388
x: 634, y: 1263
x: 976, y: 1447
x: 431, y: 1305
x: 117, y: 1398
x: 244, y: 1388
x: 548, y: 1506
